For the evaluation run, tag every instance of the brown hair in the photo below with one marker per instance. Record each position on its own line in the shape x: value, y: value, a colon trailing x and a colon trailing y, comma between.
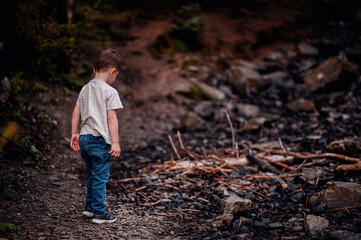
x: 107, y: 58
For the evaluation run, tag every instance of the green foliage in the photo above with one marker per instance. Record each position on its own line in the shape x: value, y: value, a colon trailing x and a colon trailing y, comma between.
x: 18, y: 84
x: 197, y: 93
x: 186, y: 35
x: 48, y: 36
x: 5, y: 228
x: 72, y: 82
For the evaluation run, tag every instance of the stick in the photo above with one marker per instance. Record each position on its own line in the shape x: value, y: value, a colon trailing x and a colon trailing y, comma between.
x: 281, y: 144
x: 260, y: 162
x: 232, y: 130
x: 310, y: 156
x: 175, y: 150
x: 180, y: 140
x: 276, y: 163
x: 277, y: 176
x: 128, y: 179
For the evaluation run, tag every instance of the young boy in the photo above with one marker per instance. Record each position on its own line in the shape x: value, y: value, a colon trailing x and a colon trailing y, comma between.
x: 98, y: 139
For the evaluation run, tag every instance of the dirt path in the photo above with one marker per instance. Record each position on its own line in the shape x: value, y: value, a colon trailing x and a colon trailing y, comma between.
x: 52, y: 205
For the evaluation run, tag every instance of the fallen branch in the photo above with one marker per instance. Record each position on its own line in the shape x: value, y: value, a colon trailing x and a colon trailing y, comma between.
x: 174, y: 148
x: 309, y: 156
x: 276, y: 176
x: 260, y: 162
x: 276, y: 163
x: 128, y: 179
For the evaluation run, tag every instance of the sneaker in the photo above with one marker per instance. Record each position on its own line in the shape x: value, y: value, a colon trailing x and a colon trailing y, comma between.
x: 104, y: 218
x: 88, y: 211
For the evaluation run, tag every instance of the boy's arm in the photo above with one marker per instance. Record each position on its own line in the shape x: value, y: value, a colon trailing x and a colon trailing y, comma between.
x: 113, y: 130
x: 74, y: 141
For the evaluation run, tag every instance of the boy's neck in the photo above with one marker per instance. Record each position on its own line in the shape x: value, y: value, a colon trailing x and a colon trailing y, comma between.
x: 104, y: 76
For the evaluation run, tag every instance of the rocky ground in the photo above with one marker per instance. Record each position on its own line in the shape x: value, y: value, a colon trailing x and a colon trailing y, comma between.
x: 299, y: 99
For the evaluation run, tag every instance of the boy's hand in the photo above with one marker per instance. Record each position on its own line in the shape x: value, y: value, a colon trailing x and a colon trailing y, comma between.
x: 115, y: 150
x: 74, y: 142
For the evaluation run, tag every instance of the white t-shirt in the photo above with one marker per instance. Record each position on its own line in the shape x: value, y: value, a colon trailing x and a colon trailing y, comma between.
x: 95, y: 98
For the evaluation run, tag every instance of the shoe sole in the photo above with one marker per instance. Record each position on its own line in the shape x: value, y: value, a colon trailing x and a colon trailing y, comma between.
x: 88, y: 214
x: 100, y: 221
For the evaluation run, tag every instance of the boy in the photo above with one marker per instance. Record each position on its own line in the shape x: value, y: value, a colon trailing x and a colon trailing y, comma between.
x: 98, y: 139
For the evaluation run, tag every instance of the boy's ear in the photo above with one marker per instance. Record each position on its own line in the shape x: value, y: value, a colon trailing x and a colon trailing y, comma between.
x: 94, y: 70
x: 113, y: 71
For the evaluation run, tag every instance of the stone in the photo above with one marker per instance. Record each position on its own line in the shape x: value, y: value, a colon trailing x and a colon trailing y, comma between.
x: 194, y: 69
x: 204, y: 109
x: 212, y: 92
x: 242, y: 77
x: 275, y: 225
x: 337, y: 195
x: 257, y: 122
x: 248, y: 110
x: 306, y: 49
x: 315, y: 224
x: 335, y: 69
x: 313, y: 173
x: 301, y: 104
x: 274, y: 77
x: 234, y: 204
x: 348, y: 147
x: 191, y: 122
x: 345, y: 235
x: 260, y: 225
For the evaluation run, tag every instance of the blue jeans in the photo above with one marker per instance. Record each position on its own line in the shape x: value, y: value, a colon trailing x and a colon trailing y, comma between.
x: 94, y: 152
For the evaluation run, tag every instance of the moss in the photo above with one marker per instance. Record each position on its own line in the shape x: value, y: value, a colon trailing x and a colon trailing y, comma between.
x: 197, y: 93
x: 5, y: 228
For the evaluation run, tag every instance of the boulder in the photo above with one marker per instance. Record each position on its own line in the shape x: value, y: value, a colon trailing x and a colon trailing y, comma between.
x: 242, y: 77
x: 275, y: 77
x: 315, y: 224
x: 248, y: 110
x: 306, y: 49
x: 204, y: 109
x: 232, y: 205
x: 348, y: 147
x: 337, y: 195
x: 212, y: 92
x: 191, y: 122
x: 301, y: 105
x: 335, y: 69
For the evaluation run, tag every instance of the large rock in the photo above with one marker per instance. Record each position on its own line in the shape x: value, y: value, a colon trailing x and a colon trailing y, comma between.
x: 306, y: 49
x: 301, y: 105
x: 337, y: 195
x: 204, y: 109
x: 242, y: 77
x: 191, y: 122
x: 248, y: 110
x: 335, y: 69
x: 315, y: 224
x: 347, y: 146
x: 212, y: 92
x: 232, y: 205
